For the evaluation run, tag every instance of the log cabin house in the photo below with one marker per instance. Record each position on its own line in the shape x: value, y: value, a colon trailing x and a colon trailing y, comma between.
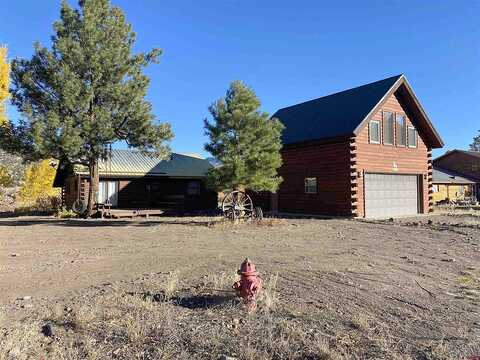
x: 363, y: 152
x: 133, y: 180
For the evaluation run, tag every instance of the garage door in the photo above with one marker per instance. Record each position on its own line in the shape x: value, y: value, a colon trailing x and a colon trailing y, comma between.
x: 390, y: 195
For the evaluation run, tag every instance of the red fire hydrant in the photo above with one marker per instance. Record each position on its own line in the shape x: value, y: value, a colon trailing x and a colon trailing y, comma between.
x: 249, y: 285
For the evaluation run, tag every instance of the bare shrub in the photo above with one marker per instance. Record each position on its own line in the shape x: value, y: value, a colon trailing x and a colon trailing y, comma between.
x: 170, y: 284
x: 268, y: 296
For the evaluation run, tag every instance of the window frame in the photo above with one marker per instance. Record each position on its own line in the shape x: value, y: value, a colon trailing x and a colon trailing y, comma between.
x: 383, y: 127
x: 193, y: 185
x: 370, y: 132
x: 411, y: 127
x: 397, y: 114
x: 309, y: 186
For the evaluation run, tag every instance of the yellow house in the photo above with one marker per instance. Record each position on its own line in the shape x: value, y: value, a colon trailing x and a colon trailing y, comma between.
x: 449, y: 185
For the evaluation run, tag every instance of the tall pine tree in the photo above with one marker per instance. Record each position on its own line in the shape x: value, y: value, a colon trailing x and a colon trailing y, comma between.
x: 475, y: 145
x: 246, y: 142
x: 87, y: 92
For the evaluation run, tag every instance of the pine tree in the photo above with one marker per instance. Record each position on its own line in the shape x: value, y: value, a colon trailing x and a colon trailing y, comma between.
x: 475, y: 145
x: 85, y: 93
x: 246, y: 142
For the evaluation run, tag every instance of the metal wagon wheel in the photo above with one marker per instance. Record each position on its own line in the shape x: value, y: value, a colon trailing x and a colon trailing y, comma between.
x: 237, y: 205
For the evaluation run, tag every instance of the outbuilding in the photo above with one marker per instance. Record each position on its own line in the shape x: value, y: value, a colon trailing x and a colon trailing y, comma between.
x: 362, y: 152
x: 449, y: 185
x: 131, y: 179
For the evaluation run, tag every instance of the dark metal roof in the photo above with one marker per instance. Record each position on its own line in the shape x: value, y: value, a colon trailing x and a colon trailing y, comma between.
x: 343, y: 113
x: 135, y: 163
x: 334, y: 115
x: 446, y: 176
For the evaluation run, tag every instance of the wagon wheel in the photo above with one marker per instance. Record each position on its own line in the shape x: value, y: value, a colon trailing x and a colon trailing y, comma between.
x: 237, y: 205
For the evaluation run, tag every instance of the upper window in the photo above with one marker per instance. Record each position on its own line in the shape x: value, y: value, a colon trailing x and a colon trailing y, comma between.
x: 387, y: 128
x: 401, y: 130
x: 412, y: 137
x: 311, y: 185
x: 475, y: 167
x: 374, y: 132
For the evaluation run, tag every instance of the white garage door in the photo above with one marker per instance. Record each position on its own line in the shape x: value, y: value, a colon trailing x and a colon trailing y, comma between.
x: 390, y: 195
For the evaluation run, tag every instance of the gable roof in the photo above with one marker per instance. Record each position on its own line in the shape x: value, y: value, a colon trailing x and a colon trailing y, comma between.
x: 133, y: 163
x: 344, y: 113
x: 446, y: 176
x: 475, y: 154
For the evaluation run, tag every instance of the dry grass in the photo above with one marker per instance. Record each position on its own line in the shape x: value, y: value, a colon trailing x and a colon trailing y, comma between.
x: 268, y: 297
x: 170, y: 284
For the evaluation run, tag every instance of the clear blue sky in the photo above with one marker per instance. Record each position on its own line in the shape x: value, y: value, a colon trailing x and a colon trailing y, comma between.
x: 290, y: 51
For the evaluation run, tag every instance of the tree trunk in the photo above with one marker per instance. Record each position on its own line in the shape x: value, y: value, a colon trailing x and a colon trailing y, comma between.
x: 93, y: 188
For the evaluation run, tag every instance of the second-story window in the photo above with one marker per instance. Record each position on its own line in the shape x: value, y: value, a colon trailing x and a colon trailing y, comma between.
x: 412, y: 137
x: 401, y: 129
x: 388, y: 128
x: 374, y: 132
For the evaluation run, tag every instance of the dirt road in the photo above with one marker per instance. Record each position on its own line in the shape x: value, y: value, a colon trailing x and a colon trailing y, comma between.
x: 409, y: 264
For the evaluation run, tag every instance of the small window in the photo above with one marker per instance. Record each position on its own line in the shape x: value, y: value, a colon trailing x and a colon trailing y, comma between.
x: 310, y: 185
x: 435, y: 188
x: 412, y: 137
x: 193, y: 188
x: 388, y: 128
x: 475, y: 167
x: 401, y: 130
x: 374, y: 130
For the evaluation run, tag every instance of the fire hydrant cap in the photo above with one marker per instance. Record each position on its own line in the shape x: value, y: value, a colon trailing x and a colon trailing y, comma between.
x: 247, y: 268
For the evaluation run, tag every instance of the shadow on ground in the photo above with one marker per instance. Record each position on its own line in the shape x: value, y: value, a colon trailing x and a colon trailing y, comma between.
x: 85, y: 223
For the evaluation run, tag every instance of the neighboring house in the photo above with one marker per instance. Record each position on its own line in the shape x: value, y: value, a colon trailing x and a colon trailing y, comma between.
x: 464, y: 163
x: 362, y: 152
x: 449, y: 185
x: 134, y: 180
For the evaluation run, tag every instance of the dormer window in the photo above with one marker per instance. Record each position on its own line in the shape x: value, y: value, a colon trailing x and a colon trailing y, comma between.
x: 374, y: 132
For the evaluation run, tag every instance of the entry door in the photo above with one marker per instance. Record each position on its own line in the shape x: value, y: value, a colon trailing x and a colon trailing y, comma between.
x: 389, y: 195
x: 108, y: 192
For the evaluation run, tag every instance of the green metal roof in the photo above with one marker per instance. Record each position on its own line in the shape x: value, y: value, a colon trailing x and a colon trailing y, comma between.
x: 135, y: 163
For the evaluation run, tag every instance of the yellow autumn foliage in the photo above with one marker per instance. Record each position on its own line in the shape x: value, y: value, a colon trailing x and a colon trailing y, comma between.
x: 4, y: 83
x: 5, y: 178
x: 38, y: 182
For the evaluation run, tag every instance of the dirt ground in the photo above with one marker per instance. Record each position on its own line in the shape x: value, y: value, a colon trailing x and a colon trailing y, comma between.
x: 356, y: 289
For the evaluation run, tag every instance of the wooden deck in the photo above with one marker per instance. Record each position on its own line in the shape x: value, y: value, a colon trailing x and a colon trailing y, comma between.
x: 129, y: 213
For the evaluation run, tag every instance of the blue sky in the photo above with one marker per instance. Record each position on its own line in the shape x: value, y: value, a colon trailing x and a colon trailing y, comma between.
x: 290, y: 51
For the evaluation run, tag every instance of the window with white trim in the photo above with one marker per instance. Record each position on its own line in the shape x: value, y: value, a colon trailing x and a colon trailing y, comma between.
x: 374, y: 131
x: 311, y: 185
x: 412, y: 137
x: 401, y: 129
x: 388, y: 125
x: 435, y: 188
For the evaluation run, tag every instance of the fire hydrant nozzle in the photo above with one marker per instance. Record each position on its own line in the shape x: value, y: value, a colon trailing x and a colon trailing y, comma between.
x: 249, y: 285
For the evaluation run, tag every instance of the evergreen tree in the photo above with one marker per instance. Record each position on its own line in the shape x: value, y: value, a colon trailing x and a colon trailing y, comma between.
x: 86, y: 92
x: 475, y: 145
x: 246, y: 142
